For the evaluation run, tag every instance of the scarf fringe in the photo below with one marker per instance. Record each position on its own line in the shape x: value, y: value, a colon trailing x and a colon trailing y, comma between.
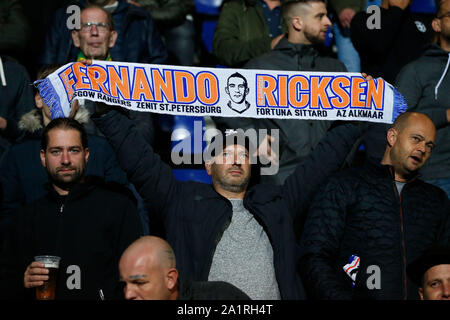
x: 51, y: 98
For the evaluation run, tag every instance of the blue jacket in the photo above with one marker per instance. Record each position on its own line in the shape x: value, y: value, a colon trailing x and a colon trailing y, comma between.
x: 138, y: 39
x: 195, y: 215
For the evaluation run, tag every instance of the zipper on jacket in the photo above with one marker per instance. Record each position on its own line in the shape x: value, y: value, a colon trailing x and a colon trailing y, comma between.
x: 61, y: 209
x: 405, y: 285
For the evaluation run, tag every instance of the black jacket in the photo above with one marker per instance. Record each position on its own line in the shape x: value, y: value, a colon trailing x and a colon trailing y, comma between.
x: 209, y: 290
x: 399, y: 40
x: 90, y: 229
x: 425, y: 84
x: 22, y: 176
x: 360, y: 212
x: 195, y: 215
x: 16, y: 96
x: 137, y: 41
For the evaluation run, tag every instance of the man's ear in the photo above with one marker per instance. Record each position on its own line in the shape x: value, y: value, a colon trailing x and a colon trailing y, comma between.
x: 391, y: 137
x: 172, y: 279
x: 38, y: 101
x: 226, y: 90
x: 208, y: 164
x: 247, y: 90
x: 436, y: 25
x: 76, y: 38
x: 112, y: 39
x: 421, y: 293
x: 298, y: 23
x: 86, y: 154
x: 43, y: 162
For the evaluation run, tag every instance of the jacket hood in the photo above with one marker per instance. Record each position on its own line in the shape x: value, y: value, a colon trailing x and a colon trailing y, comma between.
x: 302, y: 50
x: 33, y: 121
x: 433, y: 50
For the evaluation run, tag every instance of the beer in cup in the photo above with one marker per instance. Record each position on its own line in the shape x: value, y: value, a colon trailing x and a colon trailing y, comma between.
x: 47, y: 290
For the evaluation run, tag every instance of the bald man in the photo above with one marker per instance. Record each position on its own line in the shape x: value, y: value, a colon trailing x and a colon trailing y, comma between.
x: 148, y: 271
x: 368, y: 223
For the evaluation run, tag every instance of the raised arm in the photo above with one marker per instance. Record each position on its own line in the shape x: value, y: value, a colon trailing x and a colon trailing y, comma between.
x: 152, y: 178
x: 326, y: 158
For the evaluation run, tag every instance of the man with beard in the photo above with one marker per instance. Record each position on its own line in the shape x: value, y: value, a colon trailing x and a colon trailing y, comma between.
x: 301, y: 50
x: 84, y: 221
x: 233, y: 230
x: 378, y: 219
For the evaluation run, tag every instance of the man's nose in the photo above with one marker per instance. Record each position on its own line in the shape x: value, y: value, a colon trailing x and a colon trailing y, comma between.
x: 94, y: 30
x: 422, y: 147
x: 446, y: 290
x: 129, y: 293
x: 65, y: 157
x: 327, y: 22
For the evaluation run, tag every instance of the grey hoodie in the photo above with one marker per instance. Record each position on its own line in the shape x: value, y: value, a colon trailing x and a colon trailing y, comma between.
x: 425, y: 84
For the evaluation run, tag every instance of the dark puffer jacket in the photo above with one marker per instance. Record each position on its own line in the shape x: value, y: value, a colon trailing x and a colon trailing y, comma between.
x: 360, y: 212
x: 137, y: 41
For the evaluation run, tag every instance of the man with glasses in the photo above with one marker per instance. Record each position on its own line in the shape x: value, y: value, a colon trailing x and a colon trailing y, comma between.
x: 94, y: 40
x: 425, y: 84
x: 137, y: 39
x: 96, y: 34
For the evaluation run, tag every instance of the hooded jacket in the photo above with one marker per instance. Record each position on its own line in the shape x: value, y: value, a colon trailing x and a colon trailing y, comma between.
x: 297, y: 137
x: 89, y: 230
x: 195, y: 215
x: 425, y: 84
x: 22, y: 176
x: 360, y: 212
x: 137, y: 41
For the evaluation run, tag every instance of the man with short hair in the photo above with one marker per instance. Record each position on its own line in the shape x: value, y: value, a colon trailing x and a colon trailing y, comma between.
x: 237, y: 89
x: 301, y: 50
x: 82, y: 220
x: 368, y: 223
x: 431, y: 272
x: 137, y: 37
x: 22, y: 177
x: 96, y: 35
x: 425, y: 84
x: 148, y: 272
x: 232, y: 231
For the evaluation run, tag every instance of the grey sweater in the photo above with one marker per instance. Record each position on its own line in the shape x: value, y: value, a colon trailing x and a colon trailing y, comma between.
x: 425, y: 84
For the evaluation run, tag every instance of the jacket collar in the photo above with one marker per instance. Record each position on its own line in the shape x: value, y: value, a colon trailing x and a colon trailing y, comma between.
x: 77, y: 191
x: 376, y: 169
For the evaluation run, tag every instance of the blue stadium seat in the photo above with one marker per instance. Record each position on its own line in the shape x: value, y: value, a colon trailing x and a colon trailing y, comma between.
x: 192, y: 175
x: 424, y: 6
x: 188, y: 131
